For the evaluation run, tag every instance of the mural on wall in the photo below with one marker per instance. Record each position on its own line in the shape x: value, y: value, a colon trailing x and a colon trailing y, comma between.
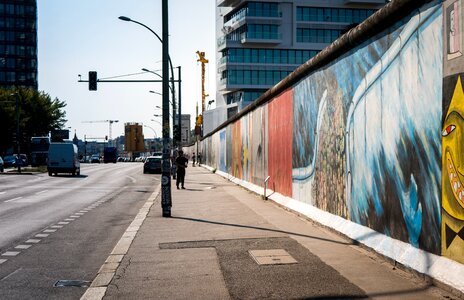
x: 452, y: 244
x: 280, y: 128
x: 222, y: 151
x: 237, y: 149
x: 246, y: 136
x: 366, y: 143
x: 258, y: 145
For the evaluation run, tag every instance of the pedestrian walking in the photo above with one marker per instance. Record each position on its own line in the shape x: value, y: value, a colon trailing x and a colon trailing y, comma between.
x: 199, y: 158
x: 181, y: 163
x: 193, y: 159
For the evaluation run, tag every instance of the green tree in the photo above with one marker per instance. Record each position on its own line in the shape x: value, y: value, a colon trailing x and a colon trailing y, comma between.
x: 39, y: 114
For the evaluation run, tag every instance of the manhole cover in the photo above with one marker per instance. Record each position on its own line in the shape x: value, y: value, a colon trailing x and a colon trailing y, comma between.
x: 272, y: 257
x: 75, y: 283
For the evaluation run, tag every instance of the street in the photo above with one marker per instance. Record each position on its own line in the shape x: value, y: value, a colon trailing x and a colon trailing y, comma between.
x: 63, y: 227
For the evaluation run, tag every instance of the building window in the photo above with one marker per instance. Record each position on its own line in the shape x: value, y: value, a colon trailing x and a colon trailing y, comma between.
x: 335, y: 15
x: 268, y: 56
x: 326, y: 36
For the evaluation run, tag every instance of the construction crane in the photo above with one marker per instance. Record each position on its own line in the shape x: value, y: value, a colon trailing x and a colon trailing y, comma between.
x: 203, y: 61
x: 110, y: 123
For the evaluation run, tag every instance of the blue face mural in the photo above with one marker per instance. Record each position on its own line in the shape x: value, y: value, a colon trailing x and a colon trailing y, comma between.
x: 367, y: 142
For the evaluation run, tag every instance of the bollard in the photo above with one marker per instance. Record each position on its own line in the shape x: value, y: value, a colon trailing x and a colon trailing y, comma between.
x: 265, y: 185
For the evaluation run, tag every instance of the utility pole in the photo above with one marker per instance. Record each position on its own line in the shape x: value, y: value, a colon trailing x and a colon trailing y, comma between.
x: 166, y: 201
x: 179, y: 118
x: 18, y: 143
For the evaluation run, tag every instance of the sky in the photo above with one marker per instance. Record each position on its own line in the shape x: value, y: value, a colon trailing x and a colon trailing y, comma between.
x: 75, y: 37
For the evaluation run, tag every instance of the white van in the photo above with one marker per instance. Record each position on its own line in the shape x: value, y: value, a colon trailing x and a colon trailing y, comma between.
x: 63, y: 158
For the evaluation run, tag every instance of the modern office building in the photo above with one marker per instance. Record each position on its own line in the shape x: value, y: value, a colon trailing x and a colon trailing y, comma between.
x: 18, y: 43
x: 261, y: 42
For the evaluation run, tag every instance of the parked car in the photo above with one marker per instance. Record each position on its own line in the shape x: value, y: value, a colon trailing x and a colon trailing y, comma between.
x: 24, y: 159
x: 152, y: 164
x: 95, y: 159
x: 9, y: 161
x: 2, y: 167
x: 63, y: 158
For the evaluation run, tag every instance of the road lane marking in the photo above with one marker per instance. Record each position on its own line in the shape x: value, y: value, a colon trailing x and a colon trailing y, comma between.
x: 42, y: 235
x: 3, y: 260
x: 1, y: 193
x: 33, y: 241
x: 63, y: 223
x: 41, y: 192
x: 56, y: 226
x: 23, y: 247
x: 14, y: 199
x: 69, y: 220
x: 49, y: 230
x: 11, y: 253
x: 131, y: 178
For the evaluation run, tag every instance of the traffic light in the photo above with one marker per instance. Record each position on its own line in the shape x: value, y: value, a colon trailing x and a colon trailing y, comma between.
x: 175, y: 133
x: 92, y: 80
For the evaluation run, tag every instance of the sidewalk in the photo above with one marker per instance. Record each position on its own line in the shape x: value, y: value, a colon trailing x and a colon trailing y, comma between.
x: 223, y: 242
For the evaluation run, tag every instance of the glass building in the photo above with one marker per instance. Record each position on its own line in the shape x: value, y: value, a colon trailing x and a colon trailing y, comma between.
x: 260, y: 42
x: 18, y: 43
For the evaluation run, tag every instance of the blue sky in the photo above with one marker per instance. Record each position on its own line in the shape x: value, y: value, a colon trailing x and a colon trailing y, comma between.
x: 75, y: 37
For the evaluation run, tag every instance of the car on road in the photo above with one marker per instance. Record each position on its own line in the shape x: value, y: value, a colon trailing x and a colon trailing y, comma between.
x: 63, y: 158
x: 152, y: 164
x: 9, y: 161
x: 95, y: 159
x: 2, y: 167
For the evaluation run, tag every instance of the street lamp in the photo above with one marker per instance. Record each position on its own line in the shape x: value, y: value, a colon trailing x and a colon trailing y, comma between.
x: 153, y: 92
x: 127, y: 19
x: 166, y: 200
x: 155, y: 136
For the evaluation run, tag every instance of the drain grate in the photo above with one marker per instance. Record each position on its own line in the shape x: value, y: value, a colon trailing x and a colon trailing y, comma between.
x: 72, y: 283
x: 272, y: 257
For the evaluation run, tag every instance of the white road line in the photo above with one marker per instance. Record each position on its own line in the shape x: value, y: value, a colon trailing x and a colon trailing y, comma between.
x: 14, y: 199
x: 23, y: 247
x: 62, y: 223
x: 41, y: 192
x: 33, y: 241
x: 3, y: 260
x: 131, y: 178
x: 42, y: 235
x: 11, y: 253
x: 1, y: 193
x: 49, y: 230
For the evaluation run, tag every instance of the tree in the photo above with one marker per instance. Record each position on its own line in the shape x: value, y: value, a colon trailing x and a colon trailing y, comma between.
x: 39, y: 114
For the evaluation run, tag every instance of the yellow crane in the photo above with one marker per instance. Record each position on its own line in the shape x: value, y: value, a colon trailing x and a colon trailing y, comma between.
x: 110, y: 123
x: 202, y: 59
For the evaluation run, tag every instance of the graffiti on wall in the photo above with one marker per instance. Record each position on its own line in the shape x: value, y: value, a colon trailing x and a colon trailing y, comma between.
x: 280, y: 128
x: 366, y: 144
x: 453, y: 172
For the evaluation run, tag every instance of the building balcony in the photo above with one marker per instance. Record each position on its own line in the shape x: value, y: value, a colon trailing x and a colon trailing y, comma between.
x: 228, y: 3
x: 223, y: 43
x: 261, y: 38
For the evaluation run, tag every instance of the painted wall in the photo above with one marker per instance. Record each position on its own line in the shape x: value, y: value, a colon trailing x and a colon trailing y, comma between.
x: 361, y: 138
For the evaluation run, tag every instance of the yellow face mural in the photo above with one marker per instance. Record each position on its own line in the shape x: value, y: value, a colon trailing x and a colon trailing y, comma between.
x: 452, y: 231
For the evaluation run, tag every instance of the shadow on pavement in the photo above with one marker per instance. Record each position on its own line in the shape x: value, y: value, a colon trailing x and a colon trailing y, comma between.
x: 260, y: 228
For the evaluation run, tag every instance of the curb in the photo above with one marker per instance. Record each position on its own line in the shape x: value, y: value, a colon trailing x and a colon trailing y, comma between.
x: 97, y: 289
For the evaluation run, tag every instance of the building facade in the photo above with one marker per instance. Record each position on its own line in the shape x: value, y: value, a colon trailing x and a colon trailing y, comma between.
x: 261, y: 42
x: 18, y: 43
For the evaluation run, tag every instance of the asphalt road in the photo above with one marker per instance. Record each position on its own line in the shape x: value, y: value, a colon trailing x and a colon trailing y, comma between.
x: 63, y: 227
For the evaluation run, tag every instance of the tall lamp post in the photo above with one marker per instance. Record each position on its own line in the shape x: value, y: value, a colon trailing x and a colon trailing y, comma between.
x: 166, y: 200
